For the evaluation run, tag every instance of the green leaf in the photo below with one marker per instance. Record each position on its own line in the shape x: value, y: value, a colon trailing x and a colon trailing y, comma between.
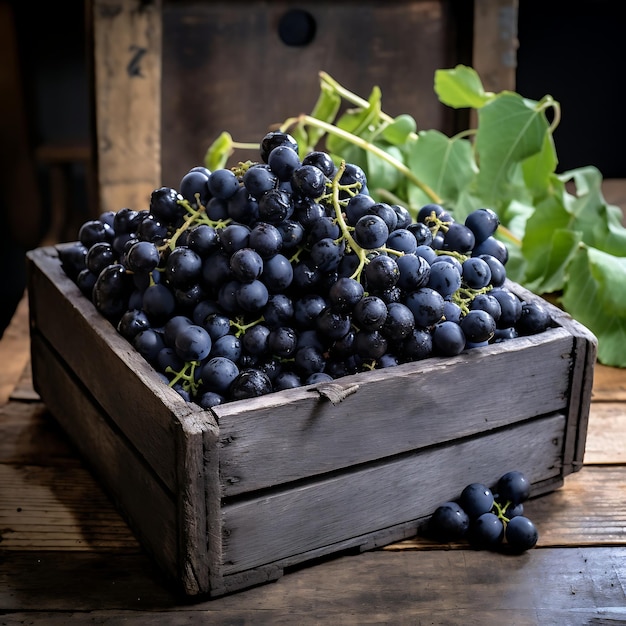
x: 509, y: 132
x: 398, y: 132
x: 380, y: 174
x: 461, y: 88
x: 539, y: 168
x: 551, y: 272
x: 325, y: 109
x: 360, y: 121
x: 594, y: 295
x: 600, y: 223
x: 445, y: 164
x: 218, y: 152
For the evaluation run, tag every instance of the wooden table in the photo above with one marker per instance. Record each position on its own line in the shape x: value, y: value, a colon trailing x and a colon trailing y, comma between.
x: 67, y: 556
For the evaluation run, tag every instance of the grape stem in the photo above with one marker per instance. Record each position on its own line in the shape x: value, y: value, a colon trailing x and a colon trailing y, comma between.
x: 348, y: 95
x: 364, y: 145
x: 361, y: 252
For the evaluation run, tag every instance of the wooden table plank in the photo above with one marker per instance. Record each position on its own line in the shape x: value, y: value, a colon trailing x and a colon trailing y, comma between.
x: 14, y: 350
x: 545, y: 586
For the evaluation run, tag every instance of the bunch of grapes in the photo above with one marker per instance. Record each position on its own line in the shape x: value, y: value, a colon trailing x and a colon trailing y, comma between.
x: 286, y: 272
x: 486, y: 517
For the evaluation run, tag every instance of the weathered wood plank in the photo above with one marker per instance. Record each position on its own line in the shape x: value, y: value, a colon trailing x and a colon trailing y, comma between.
x: 392, y: 411
x: 44, y: 509
x: 470, y: 587
x: 609, y: 384
x: 14, y: 354
x: 147, y: 504
x: 378, y: 44
x: 127, y: 100
x: 29, y: 435
x: 606, y: 437
x: 379, y: 496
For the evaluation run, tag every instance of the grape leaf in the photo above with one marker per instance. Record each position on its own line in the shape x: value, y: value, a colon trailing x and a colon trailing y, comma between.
x: 380, y: 174
x: 444, y: 164
x: 539, y: 168
x: 509, y: 132
x: 600, y: 223
x: 399, y: 131
x: 360, y: 121
x: 461, y: 88
x: 218, y: 152
x: 594, y: 296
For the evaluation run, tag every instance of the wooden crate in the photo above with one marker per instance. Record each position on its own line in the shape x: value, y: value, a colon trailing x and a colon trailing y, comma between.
x: 230, y: 498
x: 169, y: 76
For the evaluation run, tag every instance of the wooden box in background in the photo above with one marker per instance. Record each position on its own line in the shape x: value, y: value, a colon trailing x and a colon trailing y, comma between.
x: 170, y: 76
x: 230, y: 498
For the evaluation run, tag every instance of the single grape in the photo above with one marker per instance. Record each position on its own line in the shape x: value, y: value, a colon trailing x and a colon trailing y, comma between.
x: 486, y: 531
x: 386, y: 213
x: 265, y: 239
x: 194, y: 187
x: 246, y: 265
x: 449, y: 522
x: 252, y: 296
x: 370, y: 344
x: 282, y: 341
x: 403, y: 240
x: 273, y: 139
x: 131, y: 323
x: 476, y: 499
x: 222, y: 183
x: 534, y: 318
x: 478, y: 326
x: 426, y: 304
x: 321, y: 160
x: 112, y: 290
x: 510, y: 307
x: 202, y: 239
x: 414, y: 272
x: 250, y: 383
x: 142, y: 256
x: 513, y: 487
x: 183, y: 267
x: 381, y: 273
x: 275, y: 206
x: 94, y: 231
x: 521, y: 533
x: 371, y: 232
x: 369, y: 313
x: 483, y: 223
x: 493, y: 247
x: 476, y: 273
x: 218, y: 373
x: 399, y: 322
x: 283, y: 161
x: 444, y: 278
x: 448, y: 338
x: 164, y: 206
x: 486, y: 302
x: 192, y: 343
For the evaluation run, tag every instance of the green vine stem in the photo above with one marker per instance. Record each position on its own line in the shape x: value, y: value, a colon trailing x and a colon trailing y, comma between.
x: 364, y: 145
x: 353, y: 98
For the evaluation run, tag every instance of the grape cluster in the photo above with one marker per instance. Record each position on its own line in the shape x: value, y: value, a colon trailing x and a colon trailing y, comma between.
x: 286, y: 272
x: 488, y: 518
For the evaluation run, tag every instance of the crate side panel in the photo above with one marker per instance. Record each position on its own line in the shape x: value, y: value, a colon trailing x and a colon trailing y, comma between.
x: 288, y: 436
x: 198, y: 502
x: 121, y: 381
x: 137, y: 492
x: 294, y: 521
